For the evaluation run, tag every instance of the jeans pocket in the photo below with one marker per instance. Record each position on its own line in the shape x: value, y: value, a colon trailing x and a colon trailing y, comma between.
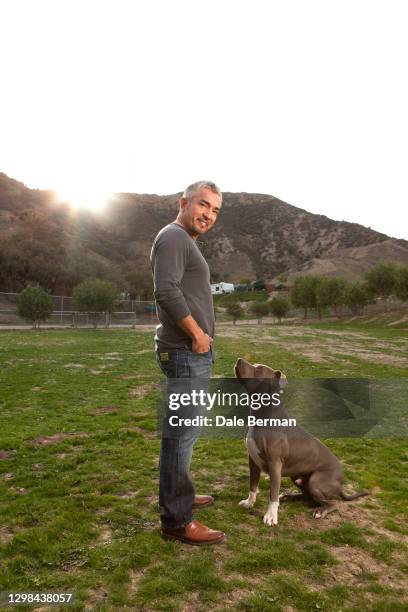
x: 174, y: 363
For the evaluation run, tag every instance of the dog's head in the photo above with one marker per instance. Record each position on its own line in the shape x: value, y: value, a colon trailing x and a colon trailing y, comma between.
x: 258, y: 377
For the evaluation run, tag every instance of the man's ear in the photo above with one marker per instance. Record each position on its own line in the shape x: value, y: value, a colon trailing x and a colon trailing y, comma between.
x: 183, y: 203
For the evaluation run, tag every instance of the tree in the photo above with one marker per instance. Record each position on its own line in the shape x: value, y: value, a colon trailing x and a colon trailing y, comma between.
x: 95, y: 297
x: 35, y: 305
x: 279, y: 307
x: 138, y: 282
x: 381, y: 280
x: 401, y: 284
x: 260, y: 310
x: 235, y: 311
x: 356, y: 297
x: 303, y: 294
x: 330, y: 292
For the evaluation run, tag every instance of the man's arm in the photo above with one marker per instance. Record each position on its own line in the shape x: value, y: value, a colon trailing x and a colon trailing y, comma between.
x: 201, y: 342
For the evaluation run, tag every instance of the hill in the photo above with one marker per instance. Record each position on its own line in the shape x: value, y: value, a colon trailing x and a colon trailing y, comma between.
x: 353, y: 262
x: 256, y: 236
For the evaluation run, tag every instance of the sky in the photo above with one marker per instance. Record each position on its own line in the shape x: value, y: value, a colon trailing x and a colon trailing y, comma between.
x: 306, y: 101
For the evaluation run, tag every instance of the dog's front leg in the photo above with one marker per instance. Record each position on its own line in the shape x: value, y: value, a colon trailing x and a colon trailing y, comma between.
x: 275, y: 474
x: 254, y: 476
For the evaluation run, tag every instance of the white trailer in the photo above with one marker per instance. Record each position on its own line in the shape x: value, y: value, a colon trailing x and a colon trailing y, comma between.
x: 220, y: 288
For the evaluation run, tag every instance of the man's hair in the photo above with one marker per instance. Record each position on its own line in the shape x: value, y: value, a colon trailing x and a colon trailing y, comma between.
x: 195, y: 187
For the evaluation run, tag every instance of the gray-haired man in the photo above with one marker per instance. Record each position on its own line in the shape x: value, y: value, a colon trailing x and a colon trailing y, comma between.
x: 183, y: 344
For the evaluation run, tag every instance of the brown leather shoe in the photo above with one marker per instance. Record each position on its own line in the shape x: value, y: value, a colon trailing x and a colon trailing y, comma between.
x: 202, y: 501
x: 193, y: 533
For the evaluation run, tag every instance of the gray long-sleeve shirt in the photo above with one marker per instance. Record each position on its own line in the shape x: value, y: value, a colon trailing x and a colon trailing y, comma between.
x: 181, y: 286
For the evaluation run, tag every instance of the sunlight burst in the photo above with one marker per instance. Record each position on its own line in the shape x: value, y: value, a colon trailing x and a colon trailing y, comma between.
x: 84, y: 196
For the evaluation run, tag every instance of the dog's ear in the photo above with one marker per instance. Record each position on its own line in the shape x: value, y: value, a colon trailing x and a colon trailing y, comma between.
x: 283, y: 381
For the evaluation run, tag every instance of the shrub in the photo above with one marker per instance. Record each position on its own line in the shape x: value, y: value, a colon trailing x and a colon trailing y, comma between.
x: 303, y: 294
x: 356, y: 297
x: 260, y: 310
x: 381, y: 280
x: 95, y: 297
x: 401, y: 284
x: 35, y: 305
x: 235, y: 311
x: 279, y: 307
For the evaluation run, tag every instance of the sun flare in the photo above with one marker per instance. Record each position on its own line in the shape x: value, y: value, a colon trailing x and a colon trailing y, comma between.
x: 84, y: 195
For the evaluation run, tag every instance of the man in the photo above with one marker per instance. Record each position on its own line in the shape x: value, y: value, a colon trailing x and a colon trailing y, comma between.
x: 183, y: 344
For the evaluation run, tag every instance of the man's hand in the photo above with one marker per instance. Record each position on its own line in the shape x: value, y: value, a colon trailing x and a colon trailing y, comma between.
x: 202, y: 343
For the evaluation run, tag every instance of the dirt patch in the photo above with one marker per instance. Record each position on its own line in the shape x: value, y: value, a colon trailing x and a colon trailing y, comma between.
x: 55, y: 438
x: 20, y: 490
x: 192, y: 604
x: 403, y: 320
x: 140, y: 391
x: 135, y: 577
x: 354, y: 562
x: 102, y: 511
x: 351, y: 512
x: 6, y: 535
x: 105, y: 535
x: 8, y: 476
x: 127, y: 377
x: 96, y: 598
x: 104, y: 410
x: 146, y: 433
x: 372, y: 357
x: 314, y: 355
x: 74, y: 365
x: 7, y: 454
x: 320, y: 345
x: 129, y: 495
x: 299, y: 332
x: 235, y: 333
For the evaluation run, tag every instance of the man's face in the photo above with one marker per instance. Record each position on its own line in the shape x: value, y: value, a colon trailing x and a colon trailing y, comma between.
x: 200, y: 213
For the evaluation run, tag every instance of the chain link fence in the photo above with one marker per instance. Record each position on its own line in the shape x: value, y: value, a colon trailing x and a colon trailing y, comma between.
x: 127, y: 313
x: 130, y: 313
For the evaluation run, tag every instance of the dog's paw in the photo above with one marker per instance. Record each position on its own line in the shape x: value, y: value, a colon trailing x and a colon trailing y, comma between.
x: 246, y: 503
x: 271, y: 516
x: 270, y: 520
x: 318, y: 514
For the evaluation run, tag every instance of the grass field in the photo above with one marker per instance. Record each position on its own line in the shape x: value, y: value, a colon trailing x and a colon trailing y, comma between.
x: 78, y: 481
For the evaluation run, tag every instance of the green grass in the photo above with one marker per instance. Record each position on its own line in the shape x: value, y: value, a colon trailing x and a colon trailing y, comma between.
x: 79, y: 510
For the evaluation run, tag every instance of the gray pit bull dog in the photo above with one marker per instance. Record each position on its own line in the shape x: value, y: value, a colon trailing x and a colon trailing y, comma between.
x: 279, y: 452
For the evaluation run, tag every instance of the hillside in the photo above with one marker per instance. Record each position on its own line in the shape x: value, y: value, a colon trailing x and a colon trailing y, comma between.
x: 256, y: 236
x: 353, y: 262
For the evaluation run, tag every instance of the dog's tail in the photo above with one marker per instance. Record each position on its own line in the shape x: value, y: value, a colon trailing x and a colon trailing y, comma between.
x: 346, y: 497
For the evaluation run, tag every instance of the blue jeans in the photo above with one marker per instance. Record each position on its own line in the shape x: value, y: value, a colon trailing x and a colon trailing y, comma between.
x: 185, y: 371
